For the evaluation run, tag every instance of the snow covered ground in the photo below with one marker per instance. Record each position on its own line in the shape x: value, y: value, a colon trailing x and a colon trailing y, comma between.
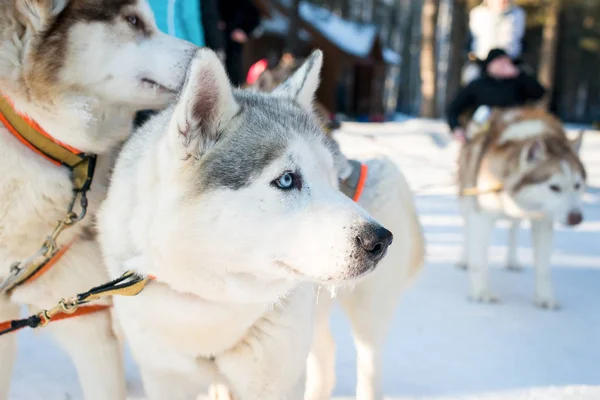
x: 442, y: 347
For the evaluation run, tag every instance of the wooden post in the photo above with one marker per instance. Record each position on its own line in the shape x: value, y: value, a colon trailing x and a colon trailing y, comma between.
x: 428, y: 58
x: 291, y: 45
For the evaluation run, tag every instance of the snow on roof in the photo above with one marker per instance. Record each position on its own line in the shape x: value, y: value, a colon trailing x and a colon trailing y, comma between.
x: 278, y: 24
x: 354, y: 38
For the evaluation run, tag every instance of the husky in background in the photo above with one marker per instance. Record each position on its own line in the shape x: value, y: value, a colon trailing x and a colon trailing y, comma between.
x: 518, y: 165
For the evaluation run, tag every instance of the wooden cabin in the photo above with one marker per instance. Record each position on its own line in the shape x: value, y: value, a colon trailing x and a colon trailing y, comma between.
x: 355, y: 62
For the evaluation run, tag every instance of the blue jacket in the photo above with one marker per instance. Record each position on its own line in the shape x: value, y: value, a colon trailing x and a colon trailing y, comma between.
x: 179, y: 18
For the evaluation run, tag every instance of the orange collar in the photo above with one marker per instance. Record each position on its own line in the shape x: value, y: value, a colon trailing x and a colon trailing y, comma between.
x: 38, y: 140
x: 364, y: 171
x: 13, y: 120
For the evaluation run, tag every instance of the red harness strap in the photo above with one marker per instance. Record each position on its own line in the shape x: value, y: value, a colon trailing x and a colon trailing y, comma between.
x: 364, y: 172
x: 35, y: 320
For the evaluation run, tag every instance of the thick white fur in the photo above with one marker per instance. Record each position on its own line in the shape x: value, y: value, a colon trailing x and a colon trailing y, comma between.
x: 234, y: 300
x: 85, y: 110
x: 370, y: 304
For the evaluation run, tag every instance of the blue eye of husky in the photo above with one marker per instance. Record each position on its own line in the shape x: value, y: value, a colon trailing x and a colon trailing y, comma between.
x: 555, y: 188
x: 288, y: 181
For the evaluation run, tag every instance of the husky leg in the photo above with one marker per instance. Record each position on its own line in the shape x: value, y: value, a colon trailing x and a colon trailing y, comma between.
x: 8, y: 346
x: 370, y: 313
x: 96, y: 353
x: 542, y: 236
x: 464, y: 205
x: 320, y: 365
x: 479, y: 230
x: 512, y: 263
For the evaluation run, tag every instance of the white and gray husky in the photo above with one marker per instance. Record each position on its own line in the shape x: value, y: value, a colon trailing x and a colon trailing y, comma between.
x: 230, y: 199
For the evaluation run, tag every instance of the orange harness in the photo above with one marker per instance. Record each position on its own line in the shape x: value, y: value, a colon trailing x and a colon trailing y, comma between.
x: 364, y: 172
x: 81, y: 166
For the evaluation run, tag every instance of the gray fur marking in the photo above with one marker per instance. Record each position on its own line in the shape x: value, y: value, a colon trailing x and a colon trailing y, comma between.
x: 265, y: 127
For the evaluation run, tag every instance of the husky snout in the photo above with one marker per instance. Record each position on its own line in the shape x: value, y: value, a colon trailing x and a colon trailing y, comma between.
x: 371, y: 244
x: 575, y: 217
x: 374, y: 240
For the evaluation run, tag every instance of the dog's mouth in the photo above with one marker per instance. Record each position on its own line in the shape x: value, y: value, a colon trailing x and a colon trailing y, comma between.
x: 289, y: 269
x: 155, y: 85
x: 349, y: 279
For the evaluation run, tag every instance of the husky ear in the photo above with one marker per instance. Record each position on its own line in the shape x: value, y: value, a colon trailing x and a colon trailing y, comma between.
x: 578, y: 141
x: 534, y: 151
x: 39, y: 14
x: 205, y: 106
x: 304, y: 83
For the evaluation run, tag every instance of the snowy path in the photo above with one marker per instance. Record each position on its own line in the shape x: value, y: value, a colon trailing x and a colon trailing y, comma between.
x: 442, y: 347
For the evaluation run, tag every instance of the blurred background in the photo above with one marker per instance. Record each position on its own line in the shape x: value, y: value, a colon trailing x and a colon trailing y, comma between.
x: 384, y: 57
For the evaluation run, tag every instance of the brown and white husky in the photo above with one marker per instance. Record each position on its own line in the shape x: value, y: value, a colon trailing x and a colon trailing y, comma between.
x: 518, y: 165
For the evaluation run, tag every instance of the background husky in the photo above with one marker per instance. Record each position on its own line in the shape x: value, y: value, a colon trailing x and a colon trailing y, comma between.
x: 371, y: 303
x: 522, y: 167
x: 79, y: 69
x: 230, y: 199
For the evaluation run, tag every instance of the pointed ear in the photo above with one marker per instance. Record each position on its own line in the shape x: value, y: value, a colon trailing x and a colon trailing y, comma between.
x: 205, y: 106
x: 578, y: 141
x: 533, y: 152
x: 39, y: 14
x: 303, y: 84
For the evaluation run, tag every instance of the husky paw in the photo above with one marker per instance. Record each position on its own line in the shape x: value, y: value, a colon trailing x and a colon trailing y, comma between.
x: 462, y: 266
x: 514, y: 268
x: 547, y: 304
x: 484, y: 297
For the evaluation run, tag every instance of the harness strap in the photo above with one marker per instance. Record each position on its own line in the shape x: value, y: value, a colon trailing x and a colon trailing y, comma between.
x: 354, y: 184
x: 35, y: 138
x: 364, y: 170
x: 128, y: 284
x: 81, y: 167
x: 36, y: 320
x: 475, y: 191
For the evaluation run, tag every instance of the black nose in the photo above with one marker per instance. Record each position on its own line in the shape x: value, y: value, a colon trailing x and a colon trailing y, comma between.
x: 574, y: 218
x: 375, y: 242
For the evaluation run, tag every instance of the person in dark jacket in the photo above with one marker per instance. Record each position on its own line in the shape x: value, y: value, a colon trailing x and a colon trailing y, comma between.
x: 213, y: 37
x: 238, y: 19
x: 502, y: 85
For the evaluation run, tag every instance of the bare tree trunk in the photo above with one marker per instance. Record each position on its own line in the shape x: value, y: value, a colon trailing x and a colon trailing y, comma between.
x: 292, y: 39
x: 428, y: 58
x: 549, y: 47
x: 415, y: 60
x: 457, y: 53
x: 405, y: 61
